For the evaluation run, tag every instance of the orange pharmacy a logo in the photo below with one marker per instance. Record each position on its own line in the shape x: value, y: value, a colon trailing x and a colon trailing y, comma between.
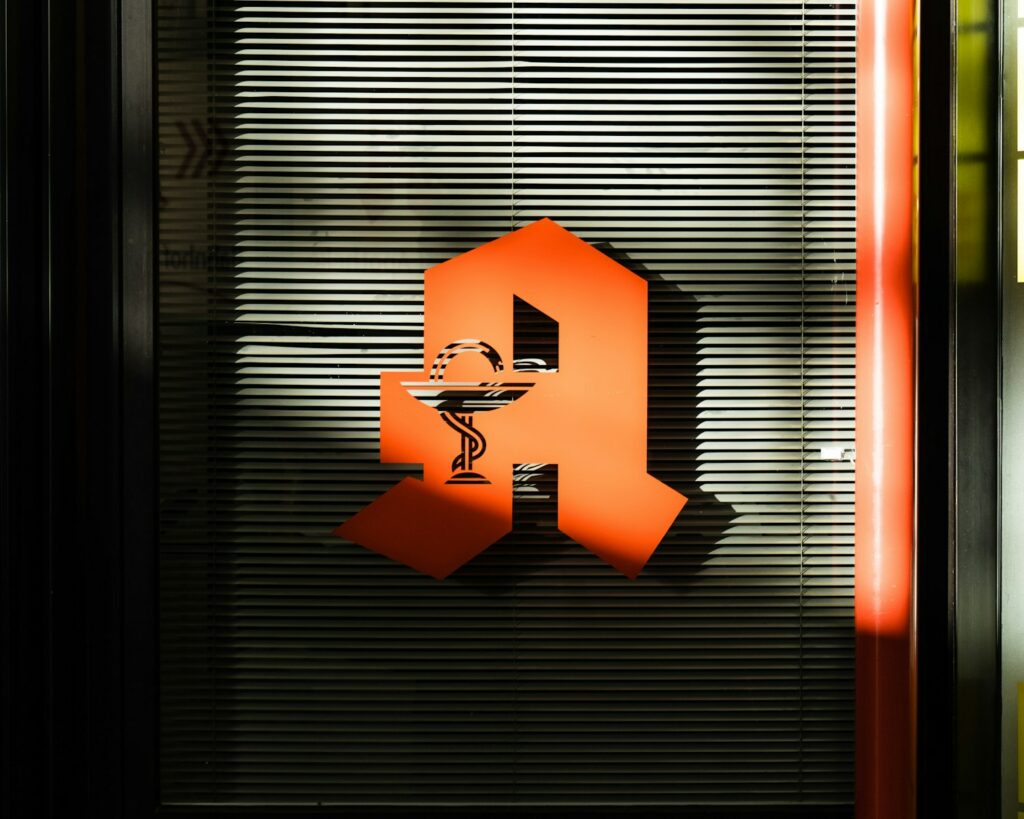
x: 474, y: 412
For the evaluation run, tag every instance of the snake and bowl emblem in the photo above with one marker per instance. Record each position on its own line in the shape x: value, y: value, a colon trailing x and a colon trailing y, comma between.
x: 459, y: 401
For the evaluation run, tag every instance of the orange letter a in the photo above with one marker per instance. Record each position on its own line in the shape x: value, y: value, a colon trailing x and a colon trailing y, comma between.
x: 469, y: 417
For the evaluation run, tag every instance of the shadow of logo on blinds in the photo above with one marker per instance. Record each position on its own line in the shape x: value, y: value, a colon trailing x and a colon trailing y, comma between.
x: 469, y: 419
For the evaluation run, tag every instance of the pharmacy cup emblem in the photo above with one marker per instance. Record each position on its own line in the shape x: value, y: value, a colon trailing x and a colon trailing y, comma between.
x: 459, y: 401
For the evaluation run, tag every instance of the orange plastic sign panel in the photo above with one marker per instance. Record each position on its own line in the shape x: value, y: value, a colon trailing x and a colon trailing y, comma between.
x: 469, y: 417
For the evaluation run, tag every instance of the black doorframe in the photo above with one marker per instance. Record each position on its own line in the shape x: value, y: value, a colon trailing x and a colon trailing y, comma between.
x: 78, y: 674
x: 934, y: 565
x: 61, y: 544
x: 139, y: 498
x: 25, y: 622
x: 958, y: 411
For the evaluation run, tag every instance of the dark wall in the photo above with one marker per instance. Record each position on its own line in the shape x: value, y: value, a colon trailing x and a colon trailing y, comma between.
x: 61, y: 546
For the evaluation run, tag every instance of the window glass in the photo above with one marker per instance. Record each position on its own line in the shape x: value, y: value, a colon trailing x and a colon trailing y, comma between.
x: 315, y: 159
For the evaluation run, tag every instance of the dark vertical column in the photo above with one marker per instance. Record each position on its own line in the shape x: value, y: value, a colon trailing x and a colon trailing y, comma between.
x: 958, y: 400
x: 975, y: 421
x: 26, y: 725
x: 935, y: 654
x: 137, y: 459
x: 957, y: 556
x: 92, y: 545
x: 62, y: 428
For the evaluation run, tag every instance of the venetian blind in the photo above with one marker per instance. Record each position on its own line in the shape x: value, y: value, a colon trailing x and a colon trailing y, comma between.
x: 315, y: 157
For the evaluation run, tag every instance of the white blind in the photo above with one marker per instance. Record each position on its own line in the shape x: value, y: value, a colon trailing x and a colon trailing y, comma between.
x: 315, y: 157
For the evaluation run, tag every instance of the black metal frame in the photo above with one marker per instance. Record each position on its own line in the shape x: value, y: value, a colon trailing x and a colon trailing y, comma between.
x: 62, y: 544
x: 25, y: 622
x: 78, y: 675
x: 139, y: 464
x: 935, y: 401
x: 958, y: 413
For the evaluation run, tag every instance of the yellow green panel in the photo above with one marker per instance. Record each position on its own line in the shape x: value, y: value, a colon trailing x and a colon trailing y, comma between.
x: 1020, y: 219
x: 1020, y: 87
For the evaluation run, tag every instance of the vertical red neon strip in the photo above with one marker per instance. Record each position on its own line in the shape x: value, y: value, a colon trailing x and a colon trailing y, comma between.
x: 884, y: 520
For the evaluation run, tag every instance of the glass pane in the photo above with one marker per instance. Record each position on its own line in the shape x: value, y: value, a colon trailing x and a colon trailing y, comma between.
x: 315, y: 159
